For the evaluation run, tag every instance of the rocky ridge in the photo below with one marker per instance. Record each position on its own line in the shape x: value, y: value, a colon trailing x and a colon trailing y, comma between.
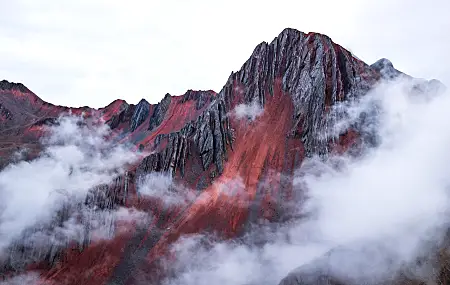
x: 196, y: 139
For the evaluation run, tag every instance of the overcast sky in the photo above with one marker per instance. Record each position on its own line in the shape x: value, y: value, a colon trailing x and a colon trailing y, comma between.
x: 90, y: 52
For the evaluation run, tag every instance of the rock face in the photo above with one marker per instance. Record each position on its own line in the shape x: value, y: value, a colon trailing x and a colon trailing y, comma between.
x: 141, y: 113
x: 386, y: 69
x: 198, y: 140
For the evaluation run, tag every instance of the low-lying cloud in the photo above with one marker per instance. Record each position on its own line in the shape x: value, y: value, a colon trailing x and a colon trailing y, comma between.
x: 372, y: 215
x: 369, y: 215
x: 161, y: 186
x: 248, y: 111
x: 29, y: 279
x: 42, y: 201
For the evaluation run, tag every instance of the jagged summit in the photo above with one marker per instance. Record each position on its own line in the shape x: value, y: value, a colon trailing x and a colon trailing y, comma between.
x: 6, y: 85
x: 383, y: 62
x: 418, y: 85
x: 143, y: 101
x: 117, y: 101
x: 386, y: 69
x: 291, y: 32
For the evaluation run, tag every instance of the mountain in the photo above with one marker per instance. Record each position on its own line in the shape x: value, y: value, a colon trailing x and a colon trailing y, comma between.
x: 256, y: 132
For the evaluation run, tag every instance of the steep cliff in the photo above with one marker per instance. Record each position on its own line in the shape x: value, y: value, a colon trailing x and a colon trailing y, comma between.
x: 201, y: 140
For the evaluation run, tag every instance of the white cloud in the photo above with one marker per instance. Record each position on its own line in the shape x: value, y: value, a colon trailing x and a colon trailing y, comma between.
x: 219, y: 263
x: 131, y: 215
x: 161, y: 186
x: 389, y: 204
x: 232, y: 187
x: 82, y: 225
x: 250, y: 111
x: 77, y: 157
x: 31, y: 279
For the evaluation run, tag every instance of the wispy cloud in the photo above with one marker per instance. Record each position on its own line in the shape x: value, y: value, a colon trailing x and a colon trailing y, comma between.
x: 42, y: 201
x: 31, y: 279
x: 162, y: 186
x: 250, y: 111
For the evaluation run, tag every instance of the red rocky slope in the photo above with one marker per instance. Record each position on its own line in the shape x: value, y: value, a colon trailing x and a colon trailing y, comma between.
x: 196, y: 139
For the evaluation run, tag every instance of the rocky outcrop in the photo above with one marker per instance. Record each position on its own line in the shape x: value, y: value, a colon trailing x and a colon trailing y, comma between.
x: 386, y: 69
x: 131, y: 117
x: 160, y: 111
x: 5, y: 114
x: 210, y: 135
x: 9, y: 86
x: 418, y: 86
x: 123, y: 117
x: 201, y: 98
x: 110, y: 196
x: 140, y: 114
x: 314, y: 71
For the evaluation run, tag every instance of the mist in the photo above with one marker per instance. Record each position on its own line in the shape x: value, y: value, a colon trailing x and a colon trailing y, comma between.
x: 364, y: 218
x: 162, y: 187
x: 373, y: 214
x: 41, y: 205
x: 30, y: 279
x: 249, y: 111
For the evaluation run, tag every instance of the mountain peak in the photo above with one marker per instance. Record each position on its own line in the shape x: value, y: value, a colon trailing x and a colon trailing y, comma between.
x: 295, y: 32
x: 10, y: 86
x: 199, y: 141
x: 386, y: 69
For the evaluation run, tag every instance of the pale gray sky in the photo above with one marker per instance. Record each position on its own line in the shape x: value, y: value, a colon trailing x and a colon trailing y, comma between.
x: 90, y: 52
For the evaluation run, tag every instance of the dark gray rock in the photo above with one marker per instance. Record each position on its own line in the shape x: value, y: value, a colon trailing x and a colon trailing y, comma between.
x: 201, y: 98
x: 314, y: 71
x: 159, y: 112
x: 6, y: 85
x: 5, y: 113
x: 140, y: 114
x: 123, y: 116
x: 209, y: 135
x: 386, y: 69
